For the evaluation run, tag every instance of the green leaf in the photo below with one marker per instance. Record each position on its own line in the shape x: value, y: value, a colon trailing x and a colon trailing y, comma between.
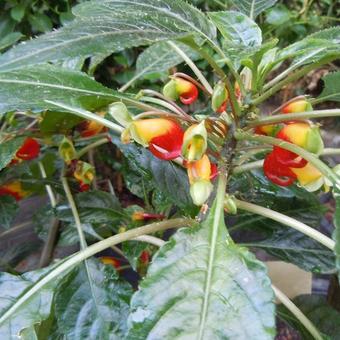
x: 315, y: 307
x: 29, y: 88
x: 93, y: 207
x: 8, y: 149
x: 252, y: 8
x: 58, y: 122
x: 8, y: 210
x: 278, y: 15
x: 237, y: 29
x: 276, y: 239
x: 92, y: 310
x: 336, y: 233
x: 242, y: 36
x: 161, y: 57
x: 214, y: 289
x: 111, y: 26
x: 9, y: 40
x: 331, y: 89
x: 147, y: 173
x: 32, y: 310
x: 18, y: 12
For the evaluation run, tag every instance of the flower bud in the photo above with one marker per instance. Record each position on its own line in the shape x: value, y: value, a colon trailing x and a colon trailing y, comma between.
x: 120, y: 113
x: 314, y: 142
x: 170, y: 91
x: 13, y: 189
x: 301, y: 105
x: 67, y: 151
x: 230, y: 205
x: 195, y: 142
x: 84, y: 173
x: 200, y: 191
x: 219, y: 98
x: 111, y: 261
x: 29, y: 150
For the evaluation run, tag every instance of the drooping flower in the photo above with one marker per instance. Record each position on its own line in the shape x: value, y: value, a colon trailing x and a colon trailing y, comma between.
x: 302, y: 134
x: 182, y: 89
x: 29, y: 150
x: 301, y: 105
x: 110, y: 261
x: 13, y: 189
x: 90, y: 128
x: 195, y: 142
x: 219, y: 98
x: 143, y: 216
x: 163, y: 137
x: 200, y: 174
x: 84, y: 174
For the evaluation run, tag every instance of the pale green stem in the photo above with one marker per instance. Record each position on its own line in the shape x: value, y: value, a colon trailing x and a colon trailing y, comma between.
x: 88, y: 252
x: 88, y: 115
x: 75, y: 214
x: 219, y: 205
x: 259, y: 163
x: 150, y: 239
x: 48, y: 188
x: 313, y: 159
x: 288, y: 221
x: 294, y: 116
x: 91, y: 146
x: 297, y: 313
x: 161, y: 103
x: 129, y: 83
x: 192, y: 65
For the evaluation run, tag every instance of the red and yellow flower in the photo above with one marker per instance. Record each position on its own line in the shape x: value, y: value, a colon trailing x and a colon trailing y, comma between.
x: 143, y: 216
x: 90, y: 128
x: 84, y: 174
x: 163, y: 137
x: 29, y: 150
x: 13, y: 189
x: 195, y: 142
x: 200, y: 174
x: 219, y: 98
x: 182, y: 89
x: 109, y: 260
x: 297, y: 106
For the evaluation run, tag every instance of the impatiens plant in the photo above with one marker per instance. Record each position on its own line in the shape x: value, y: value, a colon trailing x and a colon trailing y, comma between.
x: 169, y: 189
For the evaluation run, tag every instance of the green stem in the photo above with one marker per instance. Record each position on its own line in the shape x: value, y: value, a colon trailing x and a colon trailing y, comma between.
x: 314, y: 160
x: 294, y: 116
x: 91, y: 146
x: 192, y: 65
x: 89, y: 115
x: 161, y: 102
x: 288, y: 221
x: 90, y: 251
x: 75, y: 214
x: 297, y: 313
x: 158, y: 242
x: 291, y: 78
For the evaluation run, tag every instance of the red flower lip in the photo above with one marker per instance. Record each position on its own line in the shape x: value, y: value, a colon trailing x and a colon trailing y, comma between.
x: 29, y: 150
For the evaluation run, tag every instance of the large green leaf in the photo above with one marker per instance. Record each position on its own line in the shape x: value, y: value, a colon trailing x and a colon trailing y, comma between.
x: 33, y: 310
x: 92, y: 310
x: 29, y: 88
x: 161, y: 57
x: 8, y: 149
x: 315, y: 307
x: 242, y: 36
x: 336, y: 233
x: 201, y: 285
x: 110, y: 26
x: 276, y: 239
x: 331, y: 89
x: 252, y: 8
x: 8, y: 210
x: 147, y: 173
x: 237, y: 28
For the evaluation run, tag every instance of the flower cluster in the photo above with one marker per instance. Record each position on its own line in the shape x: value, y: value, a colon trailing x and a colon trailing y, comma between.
x: 168, y: 140
x: 284, y: 167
